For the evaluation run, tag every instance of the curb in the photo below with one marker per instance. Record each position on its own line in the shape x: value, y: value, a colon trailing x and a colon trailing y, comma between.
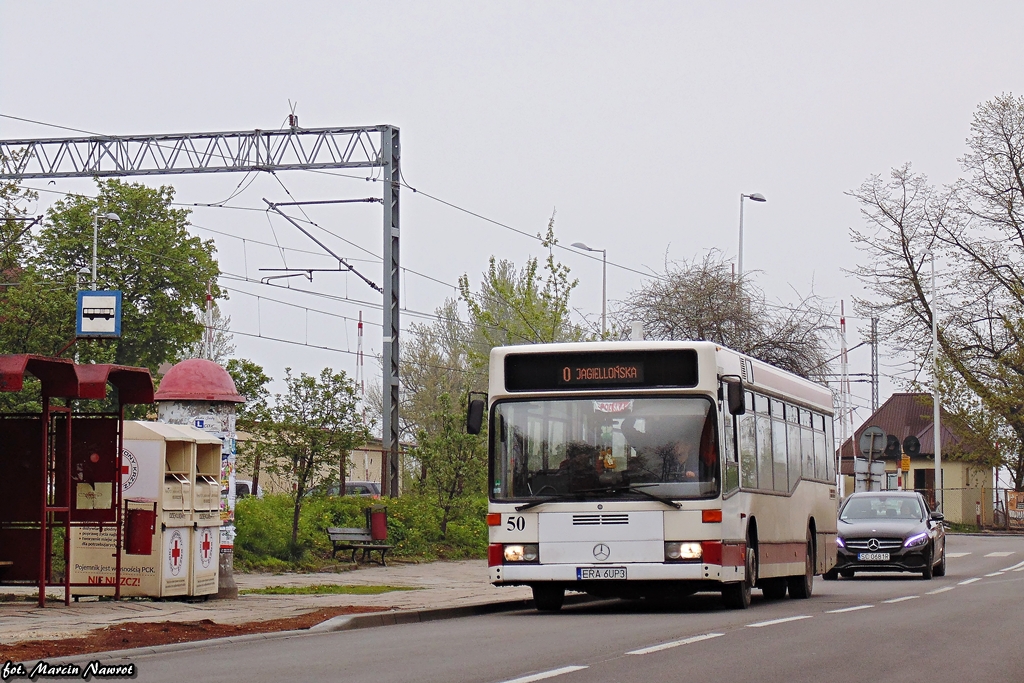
x: 332, y: 625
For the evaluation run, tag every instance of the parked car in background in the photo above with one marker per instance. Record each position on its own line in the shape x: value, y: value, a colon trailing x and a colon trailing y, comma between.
x: 370, y: 489
x: 243, y: 488
x: 889, y: 531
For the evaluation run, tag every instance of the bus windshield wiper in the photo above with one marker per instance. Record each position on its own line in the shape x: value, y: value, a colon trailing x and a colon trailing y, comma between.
x: 628, y: 488
x: 636, y: 488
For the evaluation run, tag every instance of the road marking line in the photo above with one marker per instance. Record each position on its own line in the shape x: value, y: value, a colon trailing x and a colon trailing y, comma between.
x: 964, y: 583
x: 1013, y: 567
x: 994, y: 574
x: 1001, y: 554
x: 940, y: 590
x: 849, y: 609
x: 1019, y: 570
x: 546, y: 674
x: 674, y: 643
x: 905, y: 597
x: 777, y: 621
x: 956, y: 554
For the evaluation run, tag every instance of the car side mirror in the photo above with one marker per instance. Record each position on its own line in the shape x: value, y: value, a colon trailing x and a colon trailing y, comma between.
x: 936, y: 516
x: 734, y: 395
x: 474, y: 414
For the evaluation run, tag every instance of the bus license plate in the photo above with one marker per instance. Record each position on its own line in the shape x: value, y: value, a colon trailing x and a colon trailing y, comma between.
x: 587, y: 573
x: 873, y: 557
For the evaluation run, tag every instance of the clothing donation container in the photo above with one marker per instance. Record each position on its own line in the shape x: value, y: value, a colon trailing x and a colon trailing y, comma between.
x: 164, y: 469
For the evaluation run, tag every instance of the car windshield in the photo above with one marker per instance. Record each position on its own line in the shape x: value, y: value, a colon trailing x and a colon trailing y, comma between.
x: 882, y: 507
x: 595, y: 447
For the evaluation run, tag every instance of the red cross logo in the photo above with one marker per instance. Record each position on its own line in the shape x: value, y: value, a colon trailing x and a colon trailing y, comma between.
x: 175, y: 553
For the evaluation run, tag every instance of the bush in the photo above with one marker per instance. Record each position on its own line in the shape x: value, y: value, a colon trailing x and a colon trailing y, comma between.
x: 414, y: 528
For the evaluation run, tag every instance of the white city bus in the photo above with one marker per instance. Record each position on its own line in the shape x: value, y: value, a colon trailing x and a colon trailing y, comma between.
x: 656, y: 469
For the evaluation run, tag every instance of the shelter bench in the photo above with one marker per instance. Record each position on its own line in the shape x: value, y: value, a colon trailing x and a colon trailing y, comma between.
x: 356, y: 539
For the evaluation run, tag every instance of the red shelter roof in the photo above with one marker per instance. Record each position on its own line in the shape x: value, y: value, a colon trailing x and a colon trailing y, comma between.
x: 62, y: 378
x: 198, y: 379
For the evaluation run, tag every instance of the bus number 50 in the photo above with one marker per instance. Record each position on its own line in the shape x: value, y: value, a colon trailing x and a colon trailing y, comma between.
x: 515, y: 523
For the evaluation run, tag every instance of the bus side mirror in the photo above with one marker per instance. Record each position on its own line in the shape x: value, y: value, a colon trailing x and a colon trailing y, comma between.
x: 734, y: 392
x: 475, y: 415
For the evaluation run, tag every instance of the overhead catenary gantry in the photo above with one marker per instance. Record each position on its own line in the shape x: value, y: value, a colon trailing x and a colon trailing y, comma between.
x: 303, y: 149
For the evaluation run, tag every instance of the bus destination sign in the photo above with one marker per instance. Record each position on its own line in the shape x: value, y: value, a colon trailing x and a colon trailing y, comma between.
x: 619, y: 373
x: 607, y: 369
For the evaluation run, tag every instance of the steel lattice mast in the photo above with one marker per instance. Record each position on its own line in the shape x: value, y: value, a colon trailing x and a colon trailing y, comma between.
x: 253, y: 150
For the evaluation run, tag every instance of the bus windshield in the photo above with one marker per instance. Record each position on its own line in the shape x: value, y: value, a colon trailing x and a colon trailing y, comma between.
x: 576, y: 447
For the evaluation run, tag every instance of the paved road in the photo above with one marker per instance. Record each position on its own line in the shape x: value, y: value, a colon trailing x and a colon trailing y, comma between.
x: 957, y: 629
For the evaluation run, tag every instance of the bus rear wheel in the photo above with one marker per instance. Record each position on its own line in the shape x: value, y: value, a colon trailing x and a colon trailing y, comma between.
x: 800, y: 587
x: 548, y: 597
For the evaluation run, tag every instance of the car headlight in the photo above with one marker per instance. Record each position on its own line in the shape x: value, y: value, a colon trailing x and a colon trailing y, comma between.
x: 676, y: 551
x: 521, y: 553
x: 915, y: 540
x: 840, y: 542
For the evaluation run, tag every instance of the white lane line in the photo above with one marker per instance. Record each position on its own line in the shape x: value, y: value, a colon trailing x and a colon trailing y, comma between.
x: 1019, y: 570
x: 994, y: 574
x: 940, y: 590
x: 674, y: 643
x: 1014, y: 567
x: 778, y: 621
x: 964, y: 583
x: 848, y: 609
x: 956, y: 554
x: 905, y: 597
x: 1001, y: 554
x: 546, y: 674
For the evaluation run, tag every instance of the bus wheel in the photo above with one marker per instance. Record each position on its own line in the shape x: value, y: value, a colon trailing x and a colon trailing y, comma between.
x: 773, y: 589
x: 800, y: 587
x: 737, y: 595
x: 548, y: 597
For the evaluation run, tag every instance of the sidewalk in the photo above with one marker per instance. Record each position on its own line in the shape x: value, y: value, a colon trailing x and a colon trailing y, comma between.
x: 440, y: 584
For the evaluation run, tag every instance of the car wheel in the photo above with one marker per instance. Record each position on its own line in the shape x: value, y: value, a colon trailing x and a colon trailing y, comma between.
x: 800, y: 587
x: 737, y: 595
x: 927, y: 572
x: 846, y: 573
x: 548, y: 597
x: 830, y: 575
x: 940, y: 568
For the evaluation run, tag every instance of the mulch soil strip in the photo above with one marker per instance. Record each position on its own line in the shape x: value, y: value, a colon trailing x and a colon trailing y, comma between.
x: 145, y: 633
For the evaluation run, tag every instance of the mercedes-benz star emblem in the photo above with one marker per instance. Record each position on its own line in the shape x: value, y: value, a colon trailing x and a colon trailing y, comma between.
x: 873, y: 544
x: 602, y: 552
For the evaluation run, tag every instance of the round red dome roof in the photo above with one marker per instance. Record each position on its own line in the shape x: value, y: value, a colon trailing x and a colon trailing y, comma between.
x: 198, y: 379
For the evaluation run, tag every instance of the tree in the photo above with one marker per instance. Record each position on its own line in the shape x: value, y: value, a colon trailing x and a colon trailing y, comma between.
x: 520, y: 306
x: 313, y: 427
x: 161, y: 270
x: 216, y: 343
x: 251, y: 382
x: 701, y: 300
x: 977, y: 224
x: 455, y: 462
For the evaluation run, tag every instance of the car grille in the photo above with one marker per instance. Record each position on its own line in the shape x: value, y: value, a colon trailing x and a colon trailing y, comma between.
x: 600, y: 519
x: 884, y: 544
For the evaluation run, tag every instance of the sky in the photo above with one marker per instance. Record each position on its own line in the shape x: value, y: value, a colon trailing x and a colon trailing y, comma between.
x: 638, y: 124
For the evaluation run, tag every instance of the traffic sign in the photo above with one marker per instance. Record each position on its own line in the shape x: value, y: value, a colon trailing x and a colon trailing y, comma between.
x: 872, y: 442
x: 905, y: 463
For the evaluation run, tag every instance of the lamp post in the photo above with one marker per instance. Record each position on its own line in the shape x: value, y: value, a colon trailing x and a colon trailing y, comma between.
x: 756, y: 197
x: 95, y: 235
x: 604, y: 284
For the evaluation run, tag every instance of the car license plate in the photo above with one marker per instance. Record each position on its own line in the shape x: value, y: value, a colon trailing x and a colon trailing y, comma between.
x: 873, y: 557
x: 587, y: 573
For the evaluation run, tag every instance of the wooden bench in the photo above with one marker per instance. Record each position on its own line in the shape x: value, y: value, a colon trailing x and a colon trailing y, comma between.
x: 356, y: 539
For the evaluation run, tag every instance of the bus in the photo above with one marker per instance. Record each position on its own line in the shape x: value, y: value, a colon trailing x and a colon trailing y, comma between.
x: 655, y: 470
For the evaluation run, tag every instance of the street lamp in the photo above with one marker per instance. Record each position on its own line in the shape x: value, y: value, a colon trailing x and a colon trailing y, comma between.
x: 756, y: 197
x: 95, y: 232
x: 604, y: 284
x: 936, y: 424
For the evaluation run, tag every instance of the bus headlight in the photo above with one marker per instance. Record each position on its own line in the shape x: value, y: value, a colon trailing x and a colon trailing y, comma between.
x: 521, y: 553
x: 677, y: 551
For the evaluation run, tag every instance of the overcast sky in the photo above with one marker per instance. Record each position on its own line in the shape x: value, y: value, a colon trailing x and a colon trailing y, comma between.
x: 641, y: 123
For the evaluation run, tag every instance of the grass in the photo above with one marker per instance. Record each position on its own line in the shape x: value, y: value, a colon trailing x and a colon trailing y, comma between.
x: 325, y: 589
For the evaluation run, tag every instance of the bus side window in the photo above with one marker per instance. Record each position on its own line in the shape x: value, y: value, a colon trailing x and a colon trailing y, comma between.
x: 748, y: 450
x: 779, y: 451
x: 793, y: 432
x: 820, y: 467
x: 764, y: 449
x: 830, y: 452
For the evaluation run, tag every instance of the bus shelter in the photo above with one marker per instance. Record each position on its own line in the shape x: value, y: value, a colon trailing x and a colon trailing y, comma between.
x: 60, y: 469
